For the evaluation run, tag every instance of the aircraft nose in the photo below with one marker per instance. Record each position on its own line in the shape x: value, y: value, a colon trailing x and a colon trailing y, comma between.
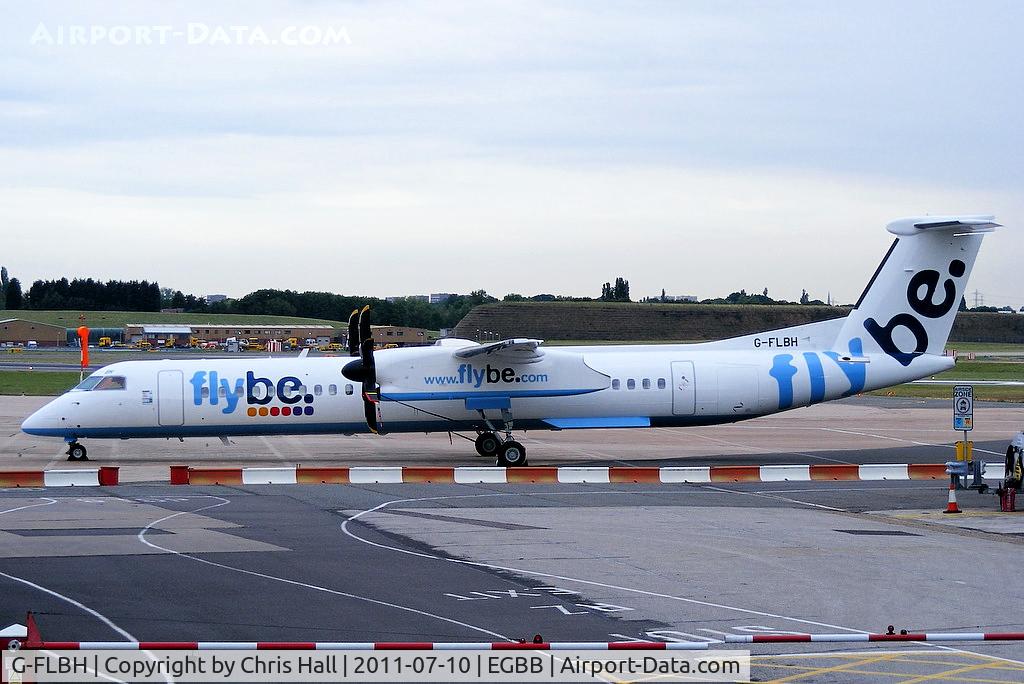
x: 40, y: 423
x: 33, y: 423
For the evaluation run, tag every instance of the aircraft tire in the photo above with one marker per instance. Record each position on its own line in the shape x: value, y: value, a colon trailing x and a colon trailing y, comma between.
x: 77, y: 452
x: 511, y: 454
x: 487, y: 444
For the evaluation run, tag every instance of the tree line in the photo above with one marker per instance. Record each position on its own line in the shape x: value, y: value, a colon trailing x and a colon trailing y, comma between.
x: 87, y: 294
x: 83, y: 293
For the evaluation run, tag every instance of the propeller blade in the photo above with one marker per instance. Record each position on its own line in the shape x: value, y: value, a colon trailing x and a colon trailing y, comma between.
x: 366, y: 351
x: 370, y: 411
x: 353, y: 333
x: 368, y: 370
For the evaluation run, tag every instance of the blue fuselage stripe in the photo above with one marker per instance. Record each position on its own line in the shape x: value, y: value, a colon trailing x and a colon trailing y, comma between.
x: 512, y: 394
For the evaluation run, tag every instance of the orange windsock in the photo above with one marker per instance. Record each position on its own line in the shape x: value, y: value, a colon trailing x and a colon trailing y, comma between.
x: 83, y: 337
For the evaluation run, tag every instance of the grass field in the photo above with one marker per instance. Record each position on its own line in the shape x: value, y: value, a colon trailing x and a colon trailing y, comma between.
x: 119, y: 319
x: 981, y: 392
x: 984, y: 370
x: 36, y: 383
x: 968, y: 371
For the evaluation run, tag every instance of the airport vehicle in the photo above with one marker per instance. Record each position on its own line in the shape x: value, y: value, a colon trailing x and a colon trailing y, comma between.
x: 106, y: 342
x: 32, y: 344
x: 896, y: 333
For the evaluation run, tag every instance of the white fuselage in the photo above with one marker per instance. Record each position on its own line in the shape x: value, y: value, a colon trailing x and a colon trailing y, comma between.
x: 430, y: 390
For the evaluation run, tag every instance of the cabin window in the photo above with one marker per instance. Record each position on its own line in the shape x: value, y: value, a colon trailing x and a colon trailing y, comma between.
x: 348, y: 389
x: 111, y: 382
x: 205, y: 392
x: 631, y: 384
x: 661, y: 383
x: 318, y: 390
x: 259, y: 391
x: 647, y: 383
x: 615, y: 384
x: 332, y: 389
x: 302, y: 389
x: 221, y: 391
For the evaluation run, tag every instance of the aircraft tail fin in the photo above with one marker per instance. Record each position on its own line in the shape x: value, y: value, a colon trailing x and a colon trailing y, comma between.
x: 908, y: 306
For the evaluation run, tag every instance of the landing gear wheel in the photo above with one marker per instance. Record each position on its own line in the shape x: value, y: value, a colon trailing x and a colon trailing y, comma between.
x: 487, y: 444
x: 511, y: 454
x: 77, y: 452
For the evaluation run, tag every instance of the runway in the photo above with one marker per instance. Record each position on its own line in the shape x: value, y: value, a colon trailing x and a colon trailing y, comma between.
x: 594, y: 562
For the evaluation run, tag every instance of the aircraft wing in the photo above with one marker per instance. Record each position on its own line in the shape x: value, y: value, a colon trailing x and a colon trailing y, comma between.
x: 518, y: 349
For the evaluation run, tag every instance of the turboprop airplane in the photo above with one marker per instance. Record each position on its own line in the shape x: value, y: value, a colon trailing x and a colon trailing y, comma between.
x: 896, y: 333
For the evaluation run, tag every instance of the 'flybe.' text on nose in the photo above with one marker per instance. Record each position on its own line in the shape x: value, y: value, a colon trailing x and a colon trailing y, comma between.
x: 208, y: 387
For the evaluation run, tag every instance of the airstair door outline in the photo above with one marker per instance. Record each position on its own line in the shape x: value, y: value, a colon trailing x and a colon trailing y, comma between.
x: 170, y: 398
x: 684, y: 393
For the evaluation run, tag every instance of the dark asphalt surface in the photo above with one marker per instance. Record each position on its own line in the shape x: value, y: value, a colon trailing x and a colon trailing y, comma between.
x: 329, y: 587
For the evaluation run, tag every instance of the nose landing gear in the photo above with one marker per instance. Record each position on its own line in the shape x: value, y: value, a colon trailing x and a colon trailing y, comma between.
x: 77, y: 452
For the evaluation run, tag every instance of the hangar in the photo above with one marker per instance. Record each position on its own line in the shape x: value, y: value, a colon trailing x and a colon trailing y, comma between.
x: 220, y: 332
x: 20, y: 331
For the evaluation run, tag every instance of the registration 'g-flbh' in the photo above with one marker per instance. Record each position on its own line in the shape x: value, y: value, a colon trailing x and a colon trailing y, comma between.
x: 895, y: 334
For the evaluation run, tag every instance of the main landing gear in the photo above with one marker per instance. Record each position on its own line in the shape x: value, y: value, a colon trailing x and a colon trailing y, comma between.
x: 507, y: 452
x: 77, y: 452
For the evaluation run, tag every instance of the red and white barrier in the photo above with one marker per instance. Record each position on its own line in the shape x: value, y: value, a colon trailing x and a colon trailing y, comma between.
x: 837, y: 638
x: 33, y: 640
x: 513, y: 646
x: 553, y: 475
x: 68, y: 477
x: 368, y: 646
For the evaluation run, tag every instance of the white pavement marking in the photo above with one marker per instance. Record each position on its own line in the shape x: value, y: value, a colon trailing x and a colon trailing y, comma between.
x: 223, y: 502
x: 594, y: 583
x: 779, y: 498
x: 77, y: 604
x: 901, y: 439
x: 49, y: 502
x: 748, y: 447
x: 298, y: 445
x: 274, y: 450
x: 62, y: 454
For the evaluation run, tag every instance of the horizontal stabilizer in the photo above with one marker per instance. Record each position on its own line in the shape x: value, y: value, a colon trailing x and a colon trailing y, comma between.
x: 960, y: 224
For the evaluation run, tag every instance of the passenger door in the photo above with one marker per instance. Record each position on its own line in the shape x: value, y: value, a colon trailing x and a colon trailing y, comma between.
x: 170, y: 398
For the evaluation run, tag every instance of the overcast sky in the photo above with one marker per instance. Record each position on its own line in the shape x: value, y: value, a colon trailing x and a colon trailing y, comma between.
x: 514, y: 147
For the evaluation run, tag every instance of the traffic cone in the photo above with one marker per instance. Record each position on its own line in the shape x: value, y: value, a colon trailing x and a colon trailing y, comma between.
x: 951, y: 506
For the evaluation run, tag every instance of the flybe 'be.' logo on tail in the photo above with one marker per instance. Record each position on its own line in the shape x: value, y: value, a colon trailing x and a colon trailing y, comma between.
x: 922, y: 303
x: 258, y: 393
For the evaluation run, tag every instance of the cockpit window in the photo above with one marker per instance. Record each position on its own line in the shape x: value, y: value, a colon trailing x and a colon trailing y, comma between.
x: 110, y: 382
x: 88, y: 383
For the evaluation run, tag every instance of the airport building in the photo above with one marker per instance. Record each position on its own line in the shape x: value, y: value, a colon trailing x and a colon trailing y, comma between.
x: 400, y: 336
x: 17, y: 331
x: 181, y: 332
x: 20, y: 331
